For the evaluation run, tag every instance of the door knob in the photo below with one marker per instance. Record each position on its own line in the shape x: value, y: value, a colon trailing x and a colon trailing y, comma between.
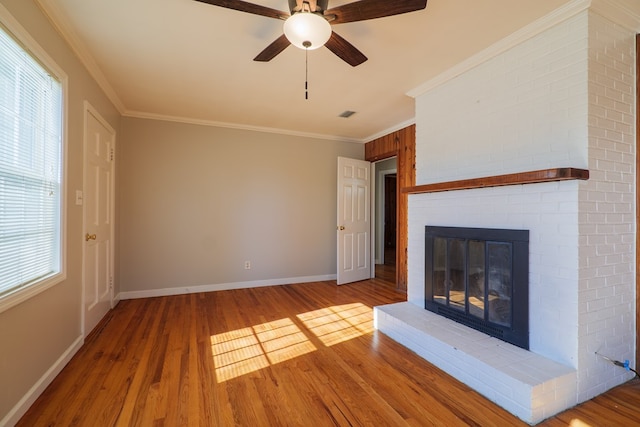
x: 341, y: 228
x: 89, y: 237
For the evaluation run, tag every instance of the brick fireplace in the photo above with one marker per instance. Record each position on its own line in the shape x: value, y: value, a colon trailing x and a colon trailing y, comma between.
x: 531, y: 384
x: 559, y: 93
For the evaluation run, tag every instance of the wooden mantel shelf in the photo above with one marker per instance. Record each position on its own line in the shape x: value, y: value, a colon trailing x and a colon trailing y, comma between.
x: 545, y: 175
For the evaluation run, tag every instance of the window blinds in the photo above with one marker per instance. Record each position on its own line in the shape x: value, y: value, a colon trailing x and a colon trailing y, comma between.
x: 30, y: 163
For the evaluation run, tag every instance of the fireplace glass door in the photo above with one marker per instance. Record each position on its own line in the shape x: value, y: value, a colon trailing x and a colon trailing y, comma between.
x: 499, y: 283
x: 472, y: 276
x: 476, y: 277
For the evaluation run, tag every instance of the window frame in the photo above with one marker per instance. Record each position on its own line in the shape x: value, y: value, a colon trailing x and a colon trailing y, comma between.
x: 15, y: 30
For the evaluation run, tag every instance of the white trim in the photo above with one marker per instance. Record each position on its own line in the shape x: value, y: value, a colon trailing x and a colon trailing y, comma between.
x: 222, y: 287
x: 21, y: 295
x: 392, y: 129
x: 610, y: 9
x: 91, y: 109
x: 29, y: 42
x: 618, y: 13
x: 34, y: 48
x: 552, y: 19
x: 20, y: 408
x: 372, y: 209
x: 188, y: 120
x: 65, y: 29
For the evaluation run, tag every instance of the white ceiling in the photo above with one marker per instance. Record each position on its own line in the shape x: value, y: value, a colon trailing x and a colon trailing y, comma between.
x: 190, y: 61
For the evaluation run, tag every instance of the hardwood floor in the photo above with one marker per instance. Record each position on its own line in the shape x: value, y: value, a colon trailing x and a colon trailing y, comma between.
x: 386, y: 272
x: 298, y: 355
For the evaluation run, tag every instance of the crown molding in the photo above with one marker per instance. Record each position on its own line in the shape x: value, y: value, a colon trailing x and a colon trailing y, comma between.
x: 617, y: 12
x: 392, y: 129
x: 613, y: 10
x: 61, y: 24
x: 239, y: 126
x: 610, y: 9
x: 65, y: 29
x: 525, y: 33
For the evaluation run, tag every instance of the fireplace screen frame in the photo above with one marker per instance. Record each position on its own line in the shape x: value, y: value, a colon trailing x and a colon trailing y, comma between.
x: 516, y: 331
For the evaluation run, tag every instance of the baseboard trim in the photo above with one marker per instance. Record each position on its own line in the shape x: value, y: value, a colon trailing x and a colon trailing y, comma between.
x: 116, y: 300
x: 30, y: 397
x: 221, y: 287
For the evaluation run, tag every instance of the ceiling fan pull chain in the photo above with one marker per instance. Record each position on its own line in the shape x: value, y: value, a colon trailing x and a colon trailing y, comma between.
x: 306, y: 73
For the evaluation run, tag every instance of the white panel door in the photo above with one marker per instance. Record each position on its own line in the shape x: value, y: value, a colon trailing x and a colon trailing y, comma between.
x: 354, y: 221
x: 99, y: 140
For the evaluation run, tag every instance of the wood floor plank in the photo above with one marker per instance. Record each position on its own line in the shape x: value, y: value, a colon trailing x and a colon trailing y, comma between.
x: 130, y: 411
x: 303, y: 354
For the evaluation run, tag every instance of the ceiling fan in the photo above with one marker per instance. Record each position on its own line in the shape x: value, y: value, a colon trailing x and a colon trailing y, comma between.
x: 308, y: 25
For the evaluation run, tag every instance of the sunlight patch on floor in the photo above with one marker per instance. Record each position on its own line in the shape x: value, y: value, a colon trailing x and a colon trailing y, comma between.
x: 333, y: 325
x: 579, y: 423
x: 246, y: 350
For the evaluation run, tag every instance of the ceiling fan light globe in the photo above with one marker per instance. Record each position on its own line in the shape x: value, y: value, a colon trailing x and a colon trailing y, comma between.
x: 303, y: 28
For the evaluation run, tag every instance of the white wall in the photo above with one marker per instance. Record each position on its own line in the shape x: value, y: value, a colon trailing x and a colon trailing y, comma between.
x: 563, y: 98
x: 198, y: 201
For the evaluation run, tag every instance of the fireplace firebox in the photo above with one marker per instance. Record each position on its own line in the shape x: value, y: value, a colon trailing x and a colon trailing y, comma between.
x: 479, y: 277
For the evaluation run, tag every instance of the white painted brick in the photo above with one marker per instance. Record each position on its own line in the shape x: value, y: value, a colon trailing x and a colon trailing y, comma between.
x: 516, y: 384
x: 563, y: 98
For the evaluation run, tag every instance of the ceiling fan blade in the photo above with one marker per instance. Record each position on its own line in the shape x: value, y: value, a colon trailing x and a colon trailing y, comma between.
x: 372, y: 9
x: 271, y: 51
x: 345, y: 50
x: 244, y: 6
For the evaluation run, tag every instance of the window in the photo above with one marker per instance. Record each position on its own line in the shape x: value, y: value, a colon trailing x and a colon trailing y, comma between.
x: 30, y: 174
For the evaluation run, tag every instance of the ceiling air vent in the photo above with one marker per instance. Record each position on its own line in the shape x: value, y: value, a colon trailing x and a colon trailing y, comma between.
x: 347, y: 114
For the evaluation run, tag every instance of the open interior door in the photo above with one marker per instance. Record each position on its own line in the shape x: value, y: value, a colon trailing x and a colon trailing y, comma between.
x: 354, y: 221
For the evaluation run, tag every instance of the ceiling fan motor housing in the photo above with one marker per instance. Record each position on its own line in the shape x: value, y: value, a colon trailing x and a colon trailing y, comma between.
x: 318, y: 6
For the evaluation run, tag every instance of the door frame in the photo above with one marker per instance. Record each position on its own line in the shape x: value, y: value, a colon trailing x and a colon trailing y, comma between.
x: 89, y: 109
x: 637, y: 199
x: 402, y: 145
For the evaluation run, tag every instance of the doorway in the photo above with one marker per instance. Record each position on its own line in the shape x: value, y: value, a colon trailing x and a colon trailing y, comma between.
x: 390, y: 194
x: 386, y: 219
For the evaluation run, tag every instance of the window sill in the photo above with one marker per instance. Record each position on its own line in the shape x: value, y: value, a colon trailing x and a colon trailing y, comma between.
x: 23, y: 294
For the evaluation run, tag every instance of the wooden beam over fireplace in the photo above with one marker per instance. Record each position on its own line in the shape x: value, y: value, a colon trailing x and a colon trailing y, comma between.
x: 545, y: 175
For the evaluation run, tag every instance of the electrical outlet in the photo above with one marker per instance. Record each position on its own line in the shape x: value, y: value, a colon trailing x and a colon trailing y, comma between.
x: 247, y: 265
